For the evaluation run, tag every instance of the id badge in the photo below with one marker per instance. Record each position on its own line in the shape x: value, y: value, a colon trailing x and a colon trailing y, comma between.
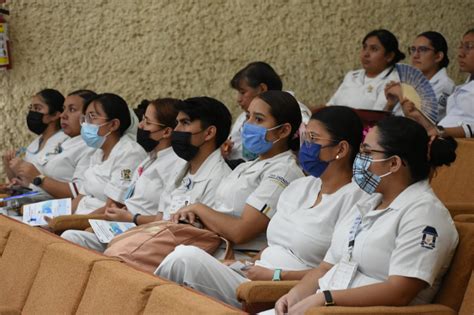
x: 179, y: 201
x: 343, y: 275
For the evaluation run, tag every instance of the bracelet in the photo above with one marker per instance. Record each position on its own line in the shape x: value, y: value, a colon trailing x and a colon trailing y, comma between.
x: 277, y: 275
x: 135, y: 217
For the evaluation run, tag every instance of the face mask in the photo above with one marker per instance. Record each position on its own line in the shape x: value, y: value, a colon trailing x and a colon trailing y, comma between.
x: 309, y: 159
x: 366, y: 180
x: 247, y: 155
x: 253, y: 138
x: 90, y: 135
x: 34, y: 121
x: 181, y: 144
x: 143, y: 139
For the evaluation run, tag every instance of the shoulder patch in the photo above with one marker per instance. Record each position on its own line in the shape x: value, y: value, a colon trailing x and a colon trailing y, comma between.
x: 428, y: 239
x: 126, y: 174
x: 279, y: 180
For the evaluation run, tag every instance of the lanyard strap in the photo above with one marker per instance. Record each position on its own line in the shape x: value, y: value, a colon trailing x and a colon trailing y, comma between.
x: 355, y: 229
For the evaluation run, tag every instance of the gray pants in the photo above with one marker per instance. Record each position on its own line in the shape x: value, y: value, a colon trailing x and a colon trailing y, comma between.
x: 85, y: 239
x: 197, y: 269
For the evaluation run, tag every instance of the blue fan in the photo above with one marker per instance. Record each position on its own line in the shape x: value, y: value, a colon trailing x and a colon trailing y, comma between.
x: 417, y: 88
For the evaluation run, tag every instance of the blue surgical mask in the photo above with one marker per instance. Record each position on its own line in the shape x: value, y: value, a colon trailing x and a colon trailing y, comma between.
x: 90, y: 135
x: 253, y: 138
x: 366, y: 180
x: 309, y: 159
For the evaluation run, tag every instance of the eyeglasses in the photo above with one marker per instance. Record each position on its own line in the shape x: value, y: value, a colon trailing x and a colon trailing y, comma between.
x: 309, y: 137
x: 363, y: 149
x: 90, y: 117
x: 36, y: 107
x: 420, y: 49
x: 466, y: 46
x: 148, y: 122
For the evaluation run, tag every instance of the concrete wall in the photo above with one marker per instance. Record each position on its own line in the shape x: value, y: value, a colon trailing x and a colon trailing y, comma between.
x: 149, y: 48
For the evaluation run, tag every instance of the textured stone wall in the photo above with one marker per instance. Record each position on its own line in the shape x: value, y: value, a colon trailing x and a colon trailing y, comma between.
x: 149, y: 48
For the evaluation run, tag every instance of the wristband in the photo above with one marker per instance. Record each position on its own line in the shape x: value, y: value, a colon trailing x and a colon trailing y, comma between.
x: 328, y: 298
x: 135, y: 217
x: 277, y: 275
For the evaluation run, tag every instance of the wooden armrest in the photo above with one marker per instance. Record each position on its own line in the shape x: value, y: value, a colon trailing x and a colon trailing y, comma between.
x: 72, y: 222
x: 457, y: 208
x: 464, y: 218
x: 429, y: 309
x: 257, y: 296
x: 5, y: 310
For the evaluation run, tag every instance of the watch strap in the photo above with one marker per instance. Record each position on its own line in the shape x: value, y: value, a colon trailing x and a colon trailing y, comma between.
x: 328, y: 298
x: 277, y: 275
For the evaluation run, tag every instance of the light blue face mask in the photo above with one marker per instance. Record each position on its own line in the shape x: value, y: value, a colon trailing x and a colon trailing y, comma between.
x: 90, y: 135
x: 254, y: 138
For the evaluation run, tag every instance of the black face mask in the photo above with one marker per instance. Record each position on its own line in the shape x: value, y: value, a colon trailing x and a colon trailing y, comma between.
x: 181, y: 144
x: 35, y: 123
x: 143, y: 139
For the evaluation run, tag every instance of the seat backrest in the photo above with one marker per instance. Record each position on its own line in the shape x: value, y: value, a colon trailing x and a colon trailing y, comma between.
x: 174, y: 299
x: 455, y: 281
x: 61, y: 280
x: 451, y: 183
x: 467, y: 307
x: 115, y: 288
x: 20, y: 262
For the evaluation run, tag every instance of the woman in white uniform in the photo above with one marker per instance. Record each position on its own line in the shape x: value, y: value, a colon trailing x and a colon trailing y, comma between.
x: 60, y: 176
x: 105, y: 120
x: 253, y: 79
x: 152, y: 175
x: 393, y: 248
x: 429, y: 53
x: 364, y: 88
x: 42, y: 119
x: 309, y: 207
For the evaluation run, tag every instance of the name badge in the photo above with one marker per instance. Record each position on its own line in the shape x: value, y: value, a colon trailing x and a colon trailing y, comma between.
x: 178, y: 202
x: 343, y: 275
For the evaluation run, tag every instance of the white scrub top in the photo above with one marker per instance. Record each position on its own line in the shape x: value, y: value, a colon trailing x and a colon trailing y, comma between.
x: 259, y: 184
x: 359, y: 91
x: 131, y: 131
x: 460, y: 107
x: 300, y: 233
x: 443, y: 87
x: 69, y: 164
x: 189, y: 188
x: 52, y: 147
x: 414, y: 237
x: 235, y: 133
x: 149, y: 180
x: 109, y: 178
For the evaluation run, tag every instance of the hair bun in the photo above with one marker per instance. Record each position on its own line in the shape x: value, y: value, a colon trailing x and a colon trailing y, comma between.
x: 443, y: 151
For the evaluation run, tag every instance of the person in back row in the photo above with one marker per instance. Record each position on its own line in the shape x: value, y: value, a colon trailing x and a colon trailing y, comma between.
x: 309, y: 207
x: 61, y: 174
x: 103, y: 125
x: 393, y: 248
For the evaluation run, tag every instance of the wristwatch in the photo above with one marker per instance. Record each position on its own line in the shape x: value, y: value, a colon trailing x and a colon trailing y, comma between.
x: 38, y: 180
x: 440, y: 130
x: 328, y: 298
x: 277, y: 275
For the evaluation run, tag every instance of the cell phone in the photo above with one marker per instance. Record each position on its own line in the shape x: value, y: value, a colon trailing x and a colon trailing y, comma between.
x: 196, y: 224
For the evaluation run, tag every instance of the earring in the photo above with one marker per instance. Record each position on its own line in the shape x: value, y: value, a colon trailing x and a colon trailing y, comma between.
x: 337, y: 157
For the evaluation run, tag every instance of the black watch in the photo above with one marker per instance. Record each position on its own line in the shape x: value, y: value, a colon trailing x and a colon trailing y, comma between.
x: 38, y: 180
x: 328, y: 298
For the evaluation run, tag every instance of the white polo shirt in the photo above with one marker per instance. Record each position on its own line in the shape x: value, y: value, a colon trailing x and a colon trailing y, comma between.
x: 443, y: 87
x: 149, y: 180
x: 359, y: 91
x: 259, y: 184
x: 414, y: 237
x: 299, y: 234
x: 189, y: 188
x: 69, y: 163
x: 52, y: 147
x: 460, y: 107
x: 109, y: 178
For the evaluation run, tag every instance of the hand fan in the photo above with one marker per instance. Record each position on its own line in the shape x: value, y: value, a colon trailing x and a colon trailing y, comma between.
x: 416, y: 87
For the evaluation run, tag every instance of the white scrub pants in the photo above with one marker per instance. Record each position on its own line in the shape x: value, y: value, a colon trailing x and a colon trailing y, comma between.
x: 197, y: 269
x: 84, y: 239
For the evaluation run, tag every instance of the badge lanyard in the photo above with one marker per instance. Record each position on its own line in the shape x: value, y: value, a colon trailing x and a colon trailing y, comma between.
x: 140, y: 170
x: 355, y: 229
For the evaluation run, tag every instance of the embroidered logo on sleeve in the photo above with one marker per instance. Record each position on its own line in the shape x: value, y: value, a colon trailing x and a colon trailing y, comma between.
x: 279, y: 180
x: 428, y: 240
x: 126, y: 174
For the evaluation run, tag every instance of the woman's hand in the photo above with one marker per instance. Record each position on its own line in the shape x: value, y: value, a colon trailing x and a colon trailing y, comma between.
x: 286, y: 302
x: 27, y: 172
x: 226, y: 148
x: 410, y: 111
x: 258, y: 273
x: 188, y: 213
x: 118, y: 214
x: 393, y: 94
x: 304, y: 305
x: 8, y: 156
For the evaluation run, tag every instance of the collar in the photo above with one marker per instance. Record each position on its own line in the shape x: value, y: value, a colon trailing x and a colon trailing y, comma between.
x: 205, y: 170
x: 382, y: 75
x: 438, y: 76
x: 261, y: 164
